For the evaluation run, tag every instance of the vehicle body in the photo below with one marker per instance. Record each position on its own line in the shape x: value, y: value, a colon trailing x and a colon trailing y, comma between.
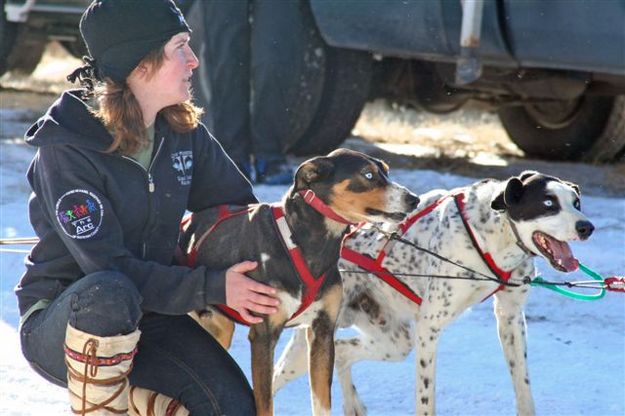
x: 553, y: 70
x: 26, y: 26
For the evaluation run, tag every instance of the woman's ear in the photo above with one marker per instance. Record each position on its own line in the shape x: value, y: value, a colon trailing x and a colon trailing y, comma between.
x: 141, y: 71
x: 143, y: 68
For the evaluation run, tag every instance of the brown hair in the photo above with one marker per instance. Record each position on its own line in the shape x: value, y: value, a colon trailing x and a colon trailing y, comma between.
x: 120, y: 112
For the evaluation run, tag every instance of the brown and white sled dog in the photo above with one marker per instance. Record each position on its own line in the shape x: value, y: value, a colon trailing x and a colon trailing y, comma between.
x: 329, y: 193
x: 510, y: 222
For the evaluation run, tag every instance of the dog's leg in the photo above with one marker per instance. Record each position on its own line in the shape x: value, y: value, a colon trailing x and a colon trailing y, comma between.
x: 511, y: 326
x: 293, y: 362
x: 442, y: 304
x: 382, y: 338
x: 320, y: 337
x: 427, y: 335
x: 263, y: 339
x: 388, y: 343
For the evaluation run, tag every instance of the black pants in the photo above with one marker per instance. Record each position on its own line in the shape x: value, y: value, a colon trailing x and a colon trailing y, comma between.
x: 250, y: 75
x: 175, y: 355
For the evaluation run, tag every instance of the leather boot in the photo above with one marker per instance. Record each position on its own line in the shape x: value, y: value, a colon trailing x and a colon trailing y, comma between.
x: 97, y: 371
x: 144, y: 402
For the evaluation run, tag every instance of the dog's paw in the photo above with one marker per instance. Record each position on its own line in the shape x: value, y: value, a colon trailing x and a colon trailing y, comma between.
x: 355, y: 409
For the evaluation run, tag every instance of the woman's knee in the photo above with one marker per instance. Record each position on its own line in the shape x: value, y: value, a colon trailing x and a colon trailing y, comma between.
x: 105, y: 304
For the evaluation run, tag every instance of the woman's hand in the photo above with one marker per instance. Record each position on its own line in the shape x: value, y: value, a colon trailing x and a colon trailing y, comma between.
x: 246, y: 295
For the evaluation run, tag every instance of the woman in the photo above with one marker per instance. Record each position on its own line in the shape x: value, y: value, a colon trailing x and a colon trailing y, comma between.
x: 100, y: 300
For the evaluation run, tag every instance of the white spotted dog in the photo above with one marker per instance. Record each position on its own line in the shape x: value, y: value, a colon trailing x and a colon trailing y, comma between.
x: 492, y: 230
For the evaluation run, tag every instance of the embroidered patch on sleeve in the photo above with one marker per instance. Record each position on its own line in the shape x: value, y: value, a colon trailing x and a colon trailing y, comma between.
x: 79, y: 212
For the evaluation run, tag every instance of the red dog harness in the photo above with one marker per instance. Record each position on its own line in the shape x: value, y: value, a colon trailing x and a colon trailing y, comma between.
x: 374, y: 265
x: 311, y: 283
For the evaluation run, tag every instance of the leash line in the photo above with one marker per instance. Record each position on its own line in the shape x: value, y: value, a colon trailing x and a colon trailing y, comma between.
x: 14, y: 250
x: 436, y: 276
x: 613, y: 284
x: 396, y: 237
x: 19, y: 241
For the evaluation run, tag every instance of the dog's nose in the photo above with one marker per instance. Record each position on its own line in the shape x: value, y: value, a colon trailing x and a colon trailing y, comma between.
x: 411, y: 200
x: 584, y: 229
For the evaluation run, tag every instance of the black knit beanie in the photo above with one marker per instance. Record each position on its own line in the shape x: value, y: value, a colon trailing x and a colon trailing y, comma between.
x: 120, y: 33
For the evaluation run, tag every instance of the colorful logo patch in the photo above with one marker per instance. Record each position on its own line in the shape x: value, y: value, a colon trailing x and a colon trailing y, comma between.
x: 80, y: 213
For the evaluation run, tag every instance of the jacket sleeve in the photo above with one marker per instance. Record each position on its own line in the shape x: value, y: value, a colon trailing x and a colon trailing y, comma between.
x: 74, y: 198
x: 216, y: 178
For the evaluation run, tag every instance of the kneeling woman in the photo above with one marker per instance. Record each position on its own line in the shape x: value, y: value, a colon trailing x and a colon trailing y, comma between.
x: 117, y: 165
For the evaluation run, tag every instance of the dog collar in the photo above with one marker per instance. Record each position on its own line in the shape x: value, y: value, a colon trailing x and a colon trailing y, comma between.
x: 321, y: 207
x: 519, y: 242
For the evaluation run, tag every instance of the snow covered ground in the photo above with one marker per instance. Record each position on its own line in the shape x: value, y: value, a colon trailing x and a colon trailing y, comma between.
x: 576, y: 349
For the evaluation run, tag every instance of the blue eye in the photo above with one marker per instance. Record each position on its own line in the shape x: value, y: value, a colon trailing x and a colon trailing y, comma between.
x: 548, y: 202
x: 368, y: 175
x: 577, y: 204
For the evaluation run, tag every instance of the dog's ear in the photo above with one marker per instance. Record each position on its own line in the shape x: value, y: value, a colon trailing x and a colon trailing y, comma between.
x: 575, y: 187
x: 312, y: 170
x: 497, y: 203
x: 514, y: 191
x: 509, y: 196
x: 527, y: 173
x: 382, y: 165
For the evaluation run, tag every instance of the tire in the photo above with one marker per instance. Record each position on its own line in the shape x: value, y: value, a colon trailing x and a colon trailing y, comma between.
x: 27, y: 52
x: 345, y: 92
x: 8, y: 33
x: 590, y: 128
x: 336, y: 89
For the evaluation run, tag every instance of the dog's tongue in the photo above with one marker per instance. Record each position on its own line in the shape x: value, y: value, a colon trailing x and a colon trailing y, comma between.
x: 562, y: 254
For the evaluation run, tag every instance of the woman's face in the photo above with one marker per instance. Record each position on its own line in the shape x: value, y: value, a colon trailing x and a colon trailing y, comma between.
x: 171, y: 82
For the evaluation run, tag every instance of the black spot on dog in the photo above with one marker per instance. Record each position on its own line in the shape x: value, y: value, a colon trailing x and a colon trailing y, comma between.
x: 366, y: 304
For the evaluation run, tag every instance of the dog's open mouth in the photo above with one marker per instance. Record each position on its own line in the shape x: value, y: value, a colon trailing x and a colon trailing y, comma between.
x: 557, y: 252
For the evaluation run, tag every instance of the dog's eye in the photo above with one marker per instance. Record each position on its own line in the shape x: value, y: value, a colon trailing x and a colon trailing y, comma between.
x: 368, y: 175
x: 577, y: 204
x: 548, y: 203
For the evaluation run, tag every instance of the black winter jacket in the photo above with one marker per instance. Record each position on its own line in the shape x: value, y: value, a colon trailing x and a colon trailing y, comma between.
x: 95, y: 211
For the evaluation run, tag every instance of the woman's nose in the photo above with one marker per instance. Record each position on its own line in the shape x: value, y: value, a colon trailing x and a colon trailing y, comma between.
x: 192, y: 60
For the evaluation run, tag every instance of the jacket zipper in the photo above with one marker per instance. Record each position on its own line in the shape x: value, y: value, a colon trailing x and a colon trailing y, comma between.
x: 151, y: 188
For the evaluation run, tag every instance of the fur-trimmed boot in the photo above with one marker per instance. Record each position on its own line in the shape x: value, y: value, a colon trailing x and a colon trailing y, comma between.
x: 144, y: 402
x: 97, y: 371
